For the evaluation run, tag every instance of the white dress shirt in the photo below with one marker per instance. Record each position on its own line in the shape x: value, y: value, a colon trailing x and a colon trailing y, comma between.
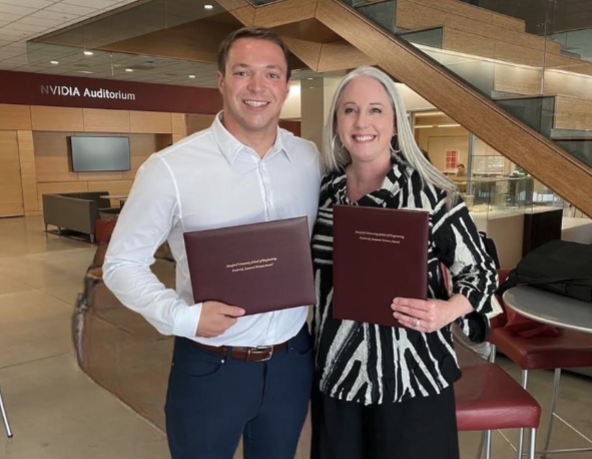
x: 208, y: 180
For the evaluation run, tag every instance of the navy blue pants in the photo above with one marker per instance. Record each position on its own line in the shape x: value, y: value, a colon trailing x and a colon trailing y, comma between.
x: 212, y: 401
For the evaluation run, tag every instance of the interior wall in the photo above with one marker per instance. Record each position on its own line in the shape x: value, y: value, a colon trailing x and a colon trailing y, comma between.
x: 34, y: 157
x: 54, y: 174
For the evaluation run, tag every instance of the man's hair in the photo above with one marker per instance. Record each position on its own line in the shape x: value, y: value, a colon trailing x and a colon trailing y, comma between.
x: 260, y: 33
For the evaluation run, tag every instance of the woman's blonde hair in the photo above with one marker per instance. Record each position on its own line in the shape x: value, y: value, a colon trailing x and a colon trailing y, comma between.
x: 335, y: 155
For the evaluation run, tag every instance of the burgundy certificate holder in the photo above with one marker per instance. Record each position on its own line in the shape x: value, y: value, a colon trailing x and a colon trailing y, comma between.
x: 378, y: 254
x: 259, y: 267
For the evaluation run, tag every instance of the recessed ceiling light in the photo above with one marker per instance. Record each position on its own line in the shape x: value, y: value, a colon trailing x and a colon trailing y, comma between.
x: 129, y: 70
x: 88, y: 72
x: 54, y: 62
x: 309, y: 78
x: 209, y: 7
x: 191, y: 76
x: 88, y: 53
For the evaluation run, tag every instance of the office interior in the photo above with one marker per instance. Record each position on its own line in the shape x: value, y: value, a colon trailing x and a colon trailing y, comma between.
x: 502, y: 88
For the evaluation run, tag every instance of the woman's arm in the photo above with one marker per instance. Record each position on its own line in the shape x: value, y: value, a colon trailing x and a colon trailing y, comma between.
x: 457, y: 244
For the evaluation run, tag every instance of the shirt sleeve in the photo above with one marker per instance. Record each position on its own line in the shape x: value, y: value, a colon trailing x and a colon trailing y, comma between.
x: 145, y: 222
x: 459, y: 246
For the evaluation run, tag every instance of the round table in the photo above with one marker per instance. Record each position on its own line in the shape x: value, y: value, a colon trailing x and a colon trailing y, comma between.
x: 550, y: 308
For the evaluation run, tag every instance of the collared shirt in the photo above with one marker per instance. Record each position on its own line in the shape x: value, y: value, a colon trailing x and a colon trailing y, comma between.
x: 208, y: 180
x: 373, y: 364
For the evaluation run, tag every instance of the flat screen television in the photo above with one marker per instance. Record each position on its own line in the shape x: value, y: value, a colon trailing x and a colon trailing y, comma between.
x: 100, y: 154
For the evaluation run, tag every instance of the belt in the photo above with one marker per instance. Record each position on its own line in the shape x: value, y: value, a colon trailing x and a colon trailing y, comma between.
x: 246, y: 354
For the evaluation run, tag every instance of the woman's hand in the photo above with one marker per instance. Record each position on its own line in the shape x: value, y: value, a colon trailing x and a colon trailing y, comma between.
x: 431, y: 315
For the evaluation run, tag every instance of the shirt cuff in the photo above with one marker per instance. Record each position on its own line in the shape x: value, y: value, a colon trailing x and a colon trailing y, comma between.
x: 186, y: 320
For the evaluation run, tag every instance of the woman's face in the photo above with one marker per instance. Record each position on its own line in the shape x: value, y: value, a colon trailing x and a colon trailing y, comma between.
x: 365, y: 120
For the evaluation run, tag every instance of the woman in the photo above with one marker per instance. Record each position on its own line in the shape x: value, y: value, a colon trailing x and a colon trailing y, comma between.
x: 385, y: 392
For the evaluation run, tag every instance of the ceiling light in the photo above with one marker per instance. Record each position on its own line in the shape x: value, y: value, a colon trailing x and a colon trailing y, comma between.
x: 309, y: 78
x: 54, y: 62
x: 129, y: 70
x: 209, y: 7
x: 191, y: 76
x: 423, y: 126
x: 88, y: 53
x: 88, y: 72
x: 448, y: 125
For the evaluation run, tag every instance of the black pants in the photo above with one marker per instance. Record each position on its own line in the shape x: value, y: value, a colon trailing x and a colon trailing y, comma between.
x: 420, y: 428
x: 212, y: 402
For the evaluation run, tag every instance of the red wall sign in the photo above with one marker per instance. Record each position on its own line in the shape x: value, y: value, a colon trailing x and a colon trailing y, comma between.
x: 63, y: 91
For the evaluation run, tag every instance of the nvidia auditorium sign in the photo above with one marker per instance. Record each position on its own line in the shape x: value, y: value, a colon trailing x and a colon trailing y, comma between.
x: 83, y: 92
x: 75, y: 91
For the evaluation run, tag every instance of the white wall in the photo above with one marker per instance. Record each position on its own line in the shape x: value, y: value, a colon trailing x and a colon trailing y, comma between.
x: 291, y: 109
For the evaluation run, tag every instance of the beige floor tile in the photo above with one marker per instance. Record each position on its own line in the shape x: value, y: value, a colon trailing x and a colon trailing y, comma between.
x: 34, y: 326
x: 65, y: 292
x: 10, y: 285
x: 57, y: 412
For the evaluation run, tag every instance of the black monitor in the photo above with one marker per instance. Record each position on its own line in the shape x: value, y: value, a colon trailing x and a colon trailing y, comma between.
x: 100, y: 154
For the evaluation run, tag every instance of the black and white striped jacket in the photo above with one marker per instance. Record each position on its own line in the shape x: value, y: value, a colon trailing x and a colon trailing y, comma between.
x: 372, y: 364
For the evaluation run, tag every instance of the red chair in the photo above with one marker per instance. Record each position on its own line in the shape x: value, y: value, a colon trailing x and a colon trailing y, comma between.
x: 566, y: 350
x: 487, y: 398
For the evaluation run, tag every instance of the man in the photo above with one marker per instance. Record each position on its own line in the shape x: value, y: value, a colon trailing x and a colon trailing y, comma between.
x: 231, y: 376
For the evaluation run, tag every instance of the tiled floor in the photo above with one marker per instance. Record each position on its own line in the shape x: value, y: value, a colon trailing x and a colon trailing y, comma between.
x: 57, y: 412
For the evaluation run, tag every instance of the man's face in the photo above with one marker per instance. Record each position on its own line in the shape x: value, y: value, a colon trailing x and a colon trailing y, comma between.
x: 255, y: 86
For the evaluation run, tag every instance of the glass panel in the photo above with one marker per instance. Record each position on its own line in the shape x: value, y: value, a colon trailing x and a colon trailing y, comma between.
x: 532, y: 57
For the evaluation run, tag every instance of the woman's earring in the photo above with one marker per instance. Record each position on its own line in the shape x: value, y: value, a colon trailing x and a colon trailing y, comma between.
x: 394, y: 145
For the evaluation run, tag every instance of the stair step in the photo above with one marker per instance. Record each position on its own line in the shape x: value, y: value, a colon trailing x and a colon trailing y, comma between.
x: 413, y: 14
x: 478, y: 13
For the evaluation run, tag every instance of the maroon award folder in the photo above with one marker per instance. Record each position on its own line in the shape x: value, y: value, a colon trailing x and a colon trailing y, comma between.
x: 260, y: 267
x: 378, y: 254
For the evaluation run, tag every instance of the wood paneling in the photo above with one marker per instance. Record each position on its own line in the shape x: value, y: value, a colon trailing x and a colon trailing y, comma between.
x: 141, y: 147
x: 59, y: 187
x: 197, y: 41
x: 285, y: 12
x: 97, y: 120
x: 474, y: 12
x: 116, y: 187
x: 307, y: 51
x: 573, y: 113
x: 14, y: 117
x: 340, y: 56
x: 52, y: 158
x: 246, y: 15
x: 538, y: 155
x: 197, y: 123
x: 518, y: 80
x: 28, y: 170
x: 234, y: 4
x: 179, y: 121
x: 56, y: 119
x: 412, y: 15
x: 94, y: 176
x: 568, y: 84
x: 467, y: 42
x: 11, y: 194
x: 151, y: 122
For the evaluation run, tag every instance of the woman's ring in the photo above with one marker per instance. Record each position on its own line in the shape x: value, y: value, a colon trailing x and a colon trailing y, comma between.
x: 418, y: 324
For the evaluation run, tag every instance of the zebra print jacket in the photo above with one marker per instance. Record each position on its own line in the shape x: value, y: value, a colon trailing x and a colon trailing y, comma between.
x: 372, y: 364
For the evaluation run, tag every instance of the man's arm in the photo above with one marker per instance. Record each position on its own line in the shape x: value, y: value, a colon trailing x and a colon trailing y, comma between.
x: 145, y: 222
x: 152, y: 210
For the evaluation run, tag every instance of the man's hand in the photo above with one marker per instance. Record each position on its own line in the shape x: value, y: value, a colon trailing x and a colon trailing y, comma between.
x: 216, y: 318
